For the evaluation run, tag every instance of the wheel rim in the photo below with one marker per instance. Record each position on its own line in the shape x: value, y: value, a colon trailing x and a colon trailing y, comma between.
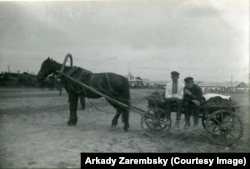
x: 155, y: 123
x: 224, y: 127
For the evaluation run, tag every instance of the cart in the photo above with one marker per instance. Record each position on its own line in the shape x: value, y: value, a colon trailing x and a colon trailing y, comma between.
x: 221, y: 123
x: 220, y: 119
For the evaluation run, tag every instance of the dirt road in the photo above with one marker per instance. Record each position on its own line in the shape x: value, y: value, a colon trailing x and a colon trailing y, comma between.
x: 33, y: 131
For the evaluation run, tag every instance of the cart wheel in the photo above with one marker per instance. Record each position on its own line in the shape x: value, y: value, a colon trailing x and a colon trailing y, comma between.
x: 155, y: 122
x: 224, y: 127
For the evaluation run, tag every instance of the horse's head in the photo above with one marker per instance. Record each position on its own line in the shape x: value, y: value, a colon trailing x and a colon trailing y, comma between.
x: 46, y: 69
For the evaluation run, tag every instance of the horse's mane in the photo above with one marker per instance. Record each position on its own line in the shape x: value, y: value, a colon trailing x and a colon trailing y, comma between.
x: 50, y: 60
x: 86, y: 71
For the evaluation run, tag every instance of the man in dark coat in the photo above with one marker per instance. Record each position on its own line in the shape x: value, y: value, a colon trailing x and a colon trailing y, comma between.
x: 191, y: 101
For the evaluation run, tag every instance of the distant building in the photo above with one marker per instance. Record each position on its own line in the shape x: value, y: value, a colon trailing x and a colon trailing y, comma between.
x: 242, y: 87
x: 146, y: 83
x: 159, y: 84
x: 134, y: 82
x: 223, y: 87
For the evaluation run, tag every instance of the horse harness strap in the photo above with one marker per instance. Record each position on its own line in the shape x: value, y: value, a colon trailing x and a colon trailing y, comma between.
x: 71, y: 71
x: 108, y: 80
x: 109, y: 84
x: 80, y: 89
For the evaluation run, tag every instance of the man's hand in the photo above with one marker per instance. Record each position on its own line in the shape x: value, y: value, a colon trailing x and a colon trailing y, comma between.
x: 187, y: 92
x: 196, y: 102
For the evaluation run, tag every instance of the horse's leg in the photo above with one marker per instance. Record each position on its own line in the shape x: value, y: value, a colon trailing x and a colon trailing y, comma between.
x: 125, y: 118
x: 115, y: 119
x: 82, y: 101
x: 73, y: 101
x: 117, y: 115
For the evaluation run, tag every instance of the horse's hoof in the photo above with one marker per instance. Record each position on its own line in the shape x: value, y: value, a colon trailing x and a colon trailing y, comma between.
x: 125, y: 128
x: 114, y: 124
x: 73, y: 123
x: 69, y: 123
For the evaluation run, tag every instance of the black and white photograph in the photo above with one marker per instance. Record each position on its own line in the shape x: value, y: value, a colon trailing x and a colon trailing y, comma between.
x: 122, y: 76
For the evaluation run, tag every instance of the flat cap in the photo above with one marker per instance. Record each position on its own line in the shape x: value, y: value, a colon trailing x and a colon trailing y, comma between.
x: 175, y: 73
x: 188, y: 79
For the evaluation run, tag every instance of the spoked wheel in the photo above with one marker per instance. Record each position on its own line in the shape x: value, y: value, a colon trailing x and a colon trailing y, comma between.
x: 155, y: 122
x: 224, y: 127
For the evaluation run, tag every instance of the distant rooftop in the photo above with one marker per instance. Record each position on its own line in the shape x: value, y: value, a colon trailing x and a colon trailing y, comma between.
x: 224, y: 84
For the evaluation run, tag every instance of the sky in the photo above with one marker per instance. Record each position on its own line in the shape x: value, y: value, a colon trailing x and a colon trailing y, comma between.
x: 208, y: 39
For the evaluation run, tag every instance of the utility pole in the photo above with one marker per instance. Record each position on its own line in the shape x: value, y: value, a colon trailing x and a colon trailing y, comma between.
x: 129, y: 66
x: 116, y: 60
x: 231, y: 80
x: 8, y: 68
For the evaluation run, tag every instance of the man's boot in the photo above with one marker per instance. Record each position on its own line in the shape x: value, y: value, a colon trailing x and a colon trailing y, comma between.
x: 187, y: 121
x: 177, y: 124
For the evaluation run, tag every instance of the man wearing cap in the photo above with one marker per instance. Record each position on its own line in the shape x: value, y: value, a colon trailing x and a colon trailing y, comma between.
x: 174, y: 93
x: 191, y: 101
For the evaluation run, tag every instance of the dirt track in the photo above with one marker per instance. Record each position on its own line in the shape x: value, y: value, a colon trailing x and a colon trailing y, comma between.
x: 33, y: 131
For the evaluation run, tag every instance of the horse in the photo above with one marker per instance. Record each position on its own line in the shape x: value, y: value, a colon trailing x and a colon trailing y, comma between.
x: 110, y: 84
